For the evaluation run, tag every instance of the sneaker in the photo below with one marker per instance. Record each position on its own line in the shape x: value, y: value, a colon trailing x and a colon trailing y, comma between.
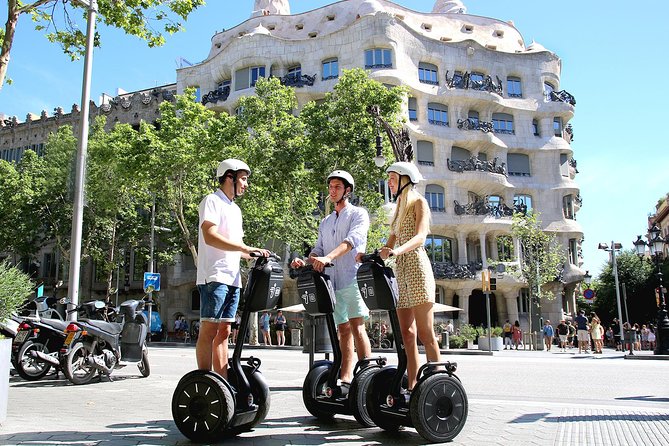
x: 344, y: 387
x: 407, y: 395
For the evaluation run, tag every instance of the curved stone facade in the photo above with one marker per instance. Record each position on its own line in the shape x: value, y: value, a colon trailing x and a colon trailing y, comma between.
x: 486, y: 116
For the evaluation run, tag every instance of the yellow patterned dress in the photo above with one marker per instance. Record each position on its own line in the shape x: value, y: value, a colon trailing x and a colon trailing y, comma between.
x: 415, y: 279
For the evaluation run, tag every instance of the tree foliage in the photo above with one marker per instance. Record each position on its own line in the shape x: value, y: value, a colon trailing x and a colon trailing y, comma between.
x: 15, y: 286
x: 62, y: 22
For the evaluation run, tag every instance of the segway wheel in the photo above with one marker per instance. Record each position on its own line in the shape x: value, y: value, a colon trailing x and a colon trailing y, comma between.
x: 314, y: 385
x: 379, y: 389
x: 439, y: 408
x: 202, y: 406
x: 357, y: 395
x: 261, y: 397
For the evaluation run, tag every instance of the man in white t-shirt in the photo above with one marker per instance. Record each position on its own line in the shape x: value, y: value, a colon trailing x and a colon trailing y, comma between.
x: 220, y: 248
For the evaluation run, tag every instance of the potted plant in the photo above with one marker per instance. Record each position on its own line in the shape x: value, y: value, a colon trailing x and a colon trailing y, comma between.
x: 468, y: 332
x: 496, y: 340
x: 15, y: 286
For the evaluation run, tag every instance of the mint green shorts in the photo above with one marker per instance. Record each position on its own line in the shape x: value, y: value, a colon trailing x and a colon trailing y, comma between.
x: 349, y: 305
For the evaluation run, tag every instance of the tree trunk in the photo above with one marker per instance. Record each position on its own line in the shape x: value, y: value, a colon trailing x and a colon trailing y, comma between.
x: 10, y: 30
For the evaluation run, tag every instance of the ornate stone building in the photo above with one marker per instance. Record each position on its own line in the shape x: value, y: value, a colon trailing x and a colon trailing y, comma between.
x: 487, y: 115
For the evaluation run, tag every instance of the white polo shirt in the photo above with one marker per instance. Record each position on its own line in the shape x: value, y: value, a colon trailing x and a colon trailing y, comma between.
x: 213, y: 264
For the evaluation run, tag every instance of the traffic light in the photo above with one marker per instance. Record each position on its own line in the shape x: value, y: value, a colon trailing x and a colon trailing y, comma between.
x: 493, y: 284
x: 485, y: 284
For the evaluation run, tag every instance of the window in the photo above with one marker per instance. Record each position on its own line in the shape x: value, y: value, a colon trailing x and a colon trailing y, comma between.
x: 557, y: 127
x: 518, y: 164
x: 223, y: 84
x: 535, y: 127
x: 482, y: 157
x: 568, y: 207
x: 438, y: 248
x: 295, y: 72
x: 198, y: 94
x: 330, y: 69
x: 139, y: 265
x: 474, y: 116
x: 460, y: 154
x: 494, y: 201
x: 378, y: 58
x: 505, y: 248
x: 425, y: 153
x: 524, y: 300
x: 195, y: 299
x: 548, y: 89
x: 564, y: 164
x: 513, y: 88
x: 49, y: 265
x: 437, y: 114
x: 247, y: 77
x: 413, y: 109
x: 573, y: 251
x: 502, y: 123
x: 427, y: 73
x: 440, y: 295
x: 434, y: 194
x: 522, y: 202
x: 476, y: 81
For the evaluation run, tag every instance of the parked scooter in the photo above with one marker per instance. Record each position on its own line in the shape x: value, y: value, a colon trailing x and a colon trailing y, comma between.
x: 93, y: 346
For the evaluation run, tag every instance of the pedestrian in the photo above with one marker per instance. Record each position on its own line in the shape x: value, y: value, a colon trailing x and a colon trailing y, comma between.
x: 637, y: 336
x: 264, y: 328
x: 280, y: 327
x: 235, y: 328
x: 548, y: 334
x: 507, y: 334
x: 409, y: 229
x: 571, y: 334
x: 644, y: 337
x: 342, y: 235
x: 596, y: 332
x: 617, y: 335
x: 582, y: 332
x: 563, y: 332
x: 517, y: 334
x: 609, y: 338
x: 651, y: 337
x: 220, y: 248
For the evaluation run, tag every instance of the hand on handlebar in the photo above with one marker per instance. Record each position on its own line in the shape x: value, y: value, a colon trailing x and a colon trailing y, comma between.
x: 386, y: 252
x: 320, y: 263
x: 297, y: 263
x: 258, y: 252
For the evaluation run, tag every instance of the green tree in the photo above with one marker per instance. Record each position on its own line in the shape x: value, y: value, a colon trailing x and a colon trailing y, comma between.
x: 341, y: 135
x: 57, y: 20
x: 15, y: 286
x: 541, y: 261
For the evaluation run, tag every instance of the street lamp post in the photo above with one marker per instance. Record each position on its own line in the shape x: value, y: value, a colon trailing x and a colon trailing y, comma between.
x: 615, y: 247
x: 656, y: 249
x: 78, y: 205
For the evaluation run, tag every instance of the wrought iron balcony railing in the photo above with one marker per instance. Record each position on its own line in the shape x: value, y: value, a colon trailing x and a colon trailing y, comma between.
x: 561, y: 96
x: 483, y: 207
x: 214, y: 96
x: 475, y: 124
x: 475, y: 164
x: 290, y: 80
x: 464, y: 81
x: 450, y: 270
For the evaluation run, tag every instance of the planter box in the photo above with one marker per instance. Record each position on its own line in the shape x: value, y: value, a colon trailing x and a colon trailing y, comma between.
x: 497, y: 343
x: 295, y: 336
x: 5, y: 356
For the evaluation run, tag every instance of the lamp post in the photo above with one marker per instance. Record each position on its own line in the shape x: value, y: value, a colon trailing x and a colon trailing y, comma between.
x: 78, y: 205
x: 615, y: 247
x: 656, y: 249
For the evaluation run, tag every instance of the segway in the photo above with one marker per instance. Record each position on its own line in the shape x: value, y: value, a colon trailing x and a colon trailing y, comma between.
x: 205, y: 406
x: 437, y: 407
x: 321, y: 394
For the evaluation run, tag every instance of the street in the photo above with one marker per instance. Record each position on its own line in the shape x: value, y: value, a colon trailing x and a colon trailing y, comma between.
x: 515, y: 397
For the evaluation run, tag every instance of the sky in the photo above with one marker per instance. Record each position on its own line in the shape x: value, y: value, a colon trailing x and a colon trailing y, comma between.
x: 613, y: 62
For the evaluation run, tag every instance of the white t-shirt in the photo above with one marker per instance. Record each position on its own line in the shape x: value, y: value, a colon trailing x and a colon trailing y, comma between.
x: 213, y: 264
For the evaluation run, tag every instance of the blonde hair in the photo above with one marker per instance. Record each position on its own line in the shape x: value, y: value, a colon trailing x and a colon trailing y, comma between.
x: 406, y: 202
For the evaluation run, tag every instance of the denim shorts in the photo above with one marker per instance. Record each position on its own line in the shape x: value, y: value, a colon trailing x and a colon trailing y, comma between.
x: 218, y: 302
x: 349, y: 305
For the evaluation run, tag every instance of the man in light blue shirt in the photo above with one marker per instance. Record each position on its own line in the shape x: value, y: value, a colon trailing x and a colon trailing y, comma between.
x: 341, y: 236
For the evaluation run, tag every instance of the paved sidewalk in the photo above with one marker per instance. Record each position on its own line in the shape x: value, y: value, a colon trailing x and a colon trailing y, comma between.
x: 520, y: 409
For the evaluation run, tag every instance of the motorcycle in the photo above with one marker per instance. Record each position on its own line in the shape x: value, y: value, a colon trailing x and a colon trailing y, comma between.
x: 94, y: 346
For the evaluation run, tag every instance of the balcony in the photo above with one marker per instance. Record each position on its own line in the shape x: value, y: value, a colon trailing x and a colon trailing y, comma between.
x: 481, y: 206
x: 291, y: 80
x: 450, y: 270
x: 475, y: 124
x: 475, y: 164
x: 561, y: 96
x: 214, y: 96
x: 465, y: 82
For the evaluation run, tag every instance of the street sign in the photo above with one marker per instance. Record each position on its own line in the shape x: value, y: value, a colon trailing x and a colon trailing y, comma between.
x: 151, y: 282
x: 588, y: 294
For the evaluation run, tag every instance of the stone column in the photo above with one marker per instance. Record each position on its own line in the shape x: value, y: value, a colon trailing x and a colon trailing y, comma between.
x: 462, y: 248
x: 511, y: 307
x: 495, y: 250
x: 484, y: 255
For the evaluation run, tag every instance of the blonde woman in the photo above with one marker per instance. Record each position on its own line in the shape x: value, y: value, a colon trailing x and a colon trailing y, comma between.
x: 409, y: 229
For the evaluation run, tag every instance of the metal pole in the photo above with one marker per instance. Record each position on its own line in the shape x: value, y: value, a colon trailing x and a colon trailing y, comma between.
x: 151, y: 253
x: 615, y: 276
x: 487, y: 308
x: 78, y: 205
x: 627, y: 315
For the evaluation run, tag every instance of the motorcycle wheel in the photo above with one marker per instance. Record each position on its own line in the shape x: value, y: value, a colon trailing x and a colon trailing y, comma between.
x: 143, y: 366
x: 29, y: 368
x: 314, y: 385
x: 439, y: 408
x: 261, y: 397
x: 379, y: 389
x: 357, y: 395
x: 75, y: 368
x: 202, y: 406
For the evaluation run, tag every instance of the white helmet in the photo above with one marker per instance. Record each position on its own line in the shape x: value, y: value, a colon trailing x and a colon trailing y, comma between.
x: 344, y: 176
x: 408, y: 169
x: 231, y: 164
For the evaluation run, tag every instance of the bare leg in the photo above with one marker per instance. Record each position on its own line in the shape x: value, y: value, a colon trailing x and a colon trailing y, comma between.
x: 211, y: 349
x: 220, y: 353
x: 425, y: 326
x: 347, y: 352
x: 408, y: 327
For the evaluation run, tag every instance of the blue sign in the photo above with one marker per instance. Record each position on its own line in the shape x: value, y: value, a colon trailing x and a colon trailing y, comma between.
x: 588, y: 294
x: 40, y: 291
x: 151, y: 282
